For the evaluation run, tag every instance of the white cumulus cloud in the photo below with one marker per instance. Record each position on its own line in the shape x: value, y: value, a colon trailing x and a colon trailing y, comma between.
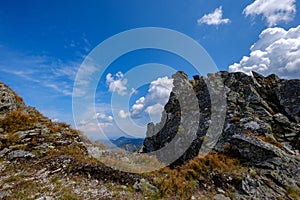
x: 214, y: 18
x: 154, y: 109
x: 117, y: 83
x: 277, y: 51
x: 103, y: 117
x: 274, y: 11
x: 153, y: 102
x: 123, y: 114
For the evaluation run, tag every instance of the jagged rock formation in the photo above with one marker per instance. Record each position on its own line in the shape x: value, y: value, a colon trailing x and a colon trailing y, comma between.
x: 261, y: 128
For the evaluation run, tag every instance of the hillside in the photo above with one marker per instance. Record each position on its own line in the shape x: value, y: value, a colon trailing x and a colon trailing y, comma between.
x: 256, y: 155
x: 41, y: 159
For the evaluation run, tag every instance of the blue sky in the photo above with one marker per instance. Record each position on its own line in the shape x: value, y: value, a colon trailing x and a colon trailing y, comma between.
x: 43, y: 43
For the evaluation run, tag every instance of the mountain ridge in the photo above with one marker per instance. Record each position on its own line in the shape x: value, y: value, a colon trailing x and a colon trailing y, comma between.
x: 256, y: 156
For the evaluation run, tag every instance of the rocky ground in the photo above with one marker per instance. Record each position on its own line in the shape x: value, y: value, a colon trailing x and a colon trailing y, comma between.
x: 255, y: 157
x: 41, y: 159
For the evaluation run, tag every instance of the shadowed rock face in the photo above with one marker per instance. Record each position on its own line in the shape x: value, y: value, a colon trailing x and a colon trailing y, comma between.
x: 261, y: 128
x: 264, y: 106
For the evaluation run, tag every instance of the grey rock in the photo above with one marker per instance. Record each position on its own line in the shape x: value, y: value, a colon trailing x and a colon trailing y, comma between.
x: 4, y: 151
x: 288, y: 94
x: 20, y: 154
x: 4, y: 194
x: 255, y: 149
x: 221, y: 197
x: 103, y: 190
x: 43, y: 146
x: 21, y: 134
x: 45, y: 198
x: 94, y: 183
x: 278, y: 117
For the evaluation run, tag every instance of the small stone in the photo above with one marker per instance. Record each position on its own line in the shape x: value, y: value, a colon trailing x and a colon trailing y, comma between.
x: 123, y: 187
x: 45, y: 198
x: 292, y: 134
x: 56, y: 171
x: 281, y: 119
x: 94, y: 183
x: 103, y: 190
x: 26, y: 140
x: 252, y: 125
x: 45, y: 131
x: 21, y: 134
x: 219, y: 190
x: 43, y: 146
x: 58, y: 135
x: 34, y: 133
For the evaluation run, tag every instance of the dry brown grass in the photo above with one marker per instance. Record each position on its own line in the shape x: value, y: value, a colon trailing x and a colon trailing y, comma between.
x: 17, y: 121
x: 18, y: 98
x: 181, y: 181
x: 134, y: 163
x: 265, y: 139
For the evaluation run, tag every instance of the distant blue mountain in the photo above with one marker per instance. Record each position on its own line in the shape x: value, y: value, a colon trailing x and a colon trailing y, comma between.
x: 129, y: 144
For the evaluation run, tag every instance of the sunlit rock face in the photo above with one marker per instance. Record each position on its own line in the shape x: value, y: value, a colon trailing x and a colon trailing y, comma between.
x: 9, y: 101
x: 261, y: 127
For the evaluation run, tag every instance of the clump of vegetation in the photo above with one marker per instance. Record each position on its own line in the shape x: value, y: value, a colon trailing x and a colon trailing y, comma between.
x: 293, y: 192
x: 18, y: 121
x: 182, y: 181
x: 19, y: 99
x: 266, y: 139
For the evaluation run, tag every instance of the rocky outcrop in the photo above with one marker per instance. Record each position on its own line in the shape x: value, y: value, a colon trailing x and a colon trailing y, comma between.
x: 9, y: 100
x: 261, y: 128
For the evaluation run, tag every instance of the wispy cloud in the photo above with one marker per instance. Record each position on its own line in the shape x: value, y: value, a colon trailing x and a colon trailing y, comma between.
x: 214, y: 18
x: 52, y: 73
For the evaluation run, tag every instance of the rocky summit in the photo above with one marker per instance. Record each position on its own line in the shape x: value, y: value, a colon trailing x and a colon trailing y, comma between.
x: 260, y: 127
x: 224, y: 136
